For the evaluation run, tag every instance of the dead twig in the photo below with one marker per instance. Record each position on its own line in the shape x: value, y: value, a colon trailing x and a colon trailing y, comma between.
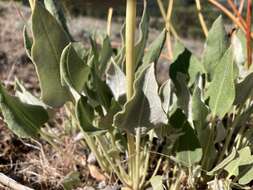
x: 12, y: 184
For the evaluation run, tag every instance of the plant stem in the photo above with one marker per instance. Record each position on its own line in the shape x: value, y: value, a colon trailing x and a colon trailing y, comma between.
x: 32, y: 3
x: 130, y: 41
x: 248, y: 32
x: 229, y: 136
x: 201, y: 18
x: 109, y: 21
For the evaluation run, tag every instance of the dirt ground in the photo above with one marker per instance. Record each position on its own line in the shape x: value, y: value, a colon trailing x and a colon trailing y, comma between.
x: 33, y: 162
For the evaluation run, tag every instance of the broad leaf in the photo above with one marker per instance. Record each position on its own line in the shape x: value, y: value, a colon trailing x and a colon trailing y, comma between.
x: 225, y: 162
x: 216, y: 45
x: 144, y: 110
x: 185, y: 62
x: 188, y: 149
x: 244, y: 158
x: 105, y: 55
x: 56, y: 9
x: 74, y: 71
x: 244, y: 90
x: 85, y: 115
x: 222, y: 88
x: 154, y: 50
x: 23, y: 119
x: 199, y: 108
x: 49, y: 39
x: 247, y: 177
x: 116, y: 80
x: 143, y: 37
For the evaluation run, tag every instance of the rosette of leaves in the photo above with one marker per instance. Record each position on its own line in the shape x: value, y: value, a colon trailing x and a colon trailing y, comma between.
x: 194, y: 115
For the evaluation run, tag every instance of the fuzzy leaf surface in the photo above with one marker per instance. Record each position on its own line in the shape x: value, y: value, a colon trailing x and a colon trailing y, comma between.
x: 49, y: 41
x: 144, y: 110
x: 222, y: 88
x: 74, y: 71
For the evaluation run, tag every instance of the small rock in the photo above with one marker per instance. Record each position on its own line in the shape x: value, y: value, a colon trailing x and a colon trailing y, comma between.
x: 88, y: 188
x: 102, y: 185
x: 92, y: 158
x: 114, y: 187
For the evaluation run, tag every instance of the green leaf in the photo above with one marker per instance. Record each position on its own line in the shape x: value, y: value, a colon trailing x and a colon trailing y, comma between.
x: 216, y: 45
x: 105, y: 55
x: 157, y: 182
x: 186, y: 63
x: 188, y: 149
x: 225, y: 162
x: 144, y: 109
x: 180, y: 65
x: 244, y: 90
x: 165, y: 94
x: 102, y: 92
x: 182, y: 93
x: 244, y: 158
x: 247, y: 177
x: 56, y: 9
x: 195, y: 68
x: 28, y: 42
x: 74, y: 71
x: 85, y: 115
x: 143, y: 37
x: 154, y: 50
x: 27, y: 97
x: 48, y: 42
x: 71, y: 180
x: 222, y: 88
x: 116, y: 80
x: 23, y: 119
x: 199, y: 108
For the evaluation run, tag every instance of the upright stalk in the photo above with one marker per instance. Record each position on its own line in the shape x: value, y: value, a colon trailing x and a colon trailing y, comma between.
x: 201, y: 18
x: 32, y: 3
x: 130, y: 41
x: 248, y: 32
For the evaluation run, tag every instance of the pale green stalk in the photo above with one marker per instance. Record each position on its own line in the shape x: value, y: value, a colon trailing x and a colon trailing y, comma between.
x: 130, y: 64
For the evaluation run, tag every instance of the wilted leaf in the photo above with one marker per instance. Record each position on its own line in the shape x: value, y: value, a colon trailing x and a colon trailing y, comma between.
x: 144, y: 110
x: 23, y: 119
x: 96, y: 173
x: 216, y: 45
x: 116, y: 80
x: 222, y: 88
x: 49, y: 41
x: 74, y: 71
